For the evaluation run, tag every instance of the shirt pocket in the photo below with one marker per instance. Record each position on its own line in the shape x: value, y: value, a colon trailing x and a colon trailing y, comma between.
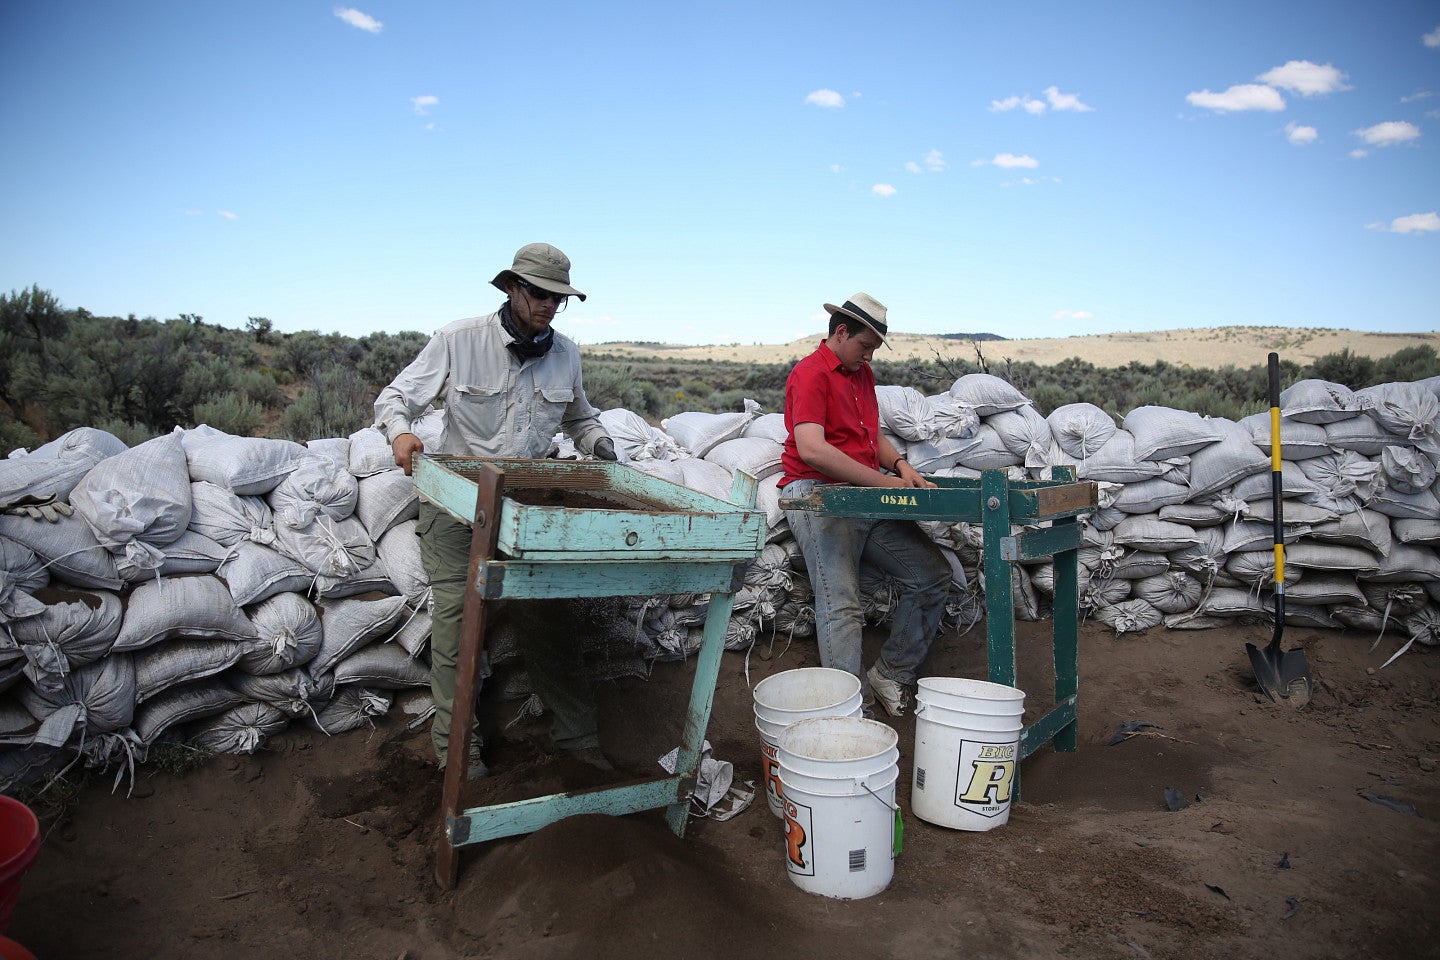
x: 478, y: 414
x: 551, y: 403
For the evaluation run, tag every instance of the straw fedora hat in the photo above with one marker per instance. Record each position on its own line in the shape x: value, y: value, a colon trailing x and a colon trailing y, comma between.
x: 867, y: 310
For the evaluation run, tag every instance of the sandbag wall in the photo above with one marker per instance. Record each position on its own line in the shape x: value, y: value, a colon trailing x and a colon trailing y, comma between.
x: 214, y: 589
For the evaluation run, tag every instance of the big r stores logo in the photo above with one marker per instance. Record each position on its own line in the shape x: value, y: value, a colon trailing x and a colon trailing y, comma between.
x: 985, y: 777
x: 799, y: 844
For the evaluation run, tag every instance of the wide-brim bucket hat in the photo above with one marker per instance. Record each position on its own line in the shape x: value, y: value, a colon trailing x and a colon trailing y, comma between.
x: 866, y: 309
x: 543, y: 265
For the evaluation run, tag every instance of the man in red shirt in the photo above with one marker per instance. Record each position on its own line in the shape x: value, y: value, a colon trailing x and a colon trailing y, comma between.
x: 833, y: 423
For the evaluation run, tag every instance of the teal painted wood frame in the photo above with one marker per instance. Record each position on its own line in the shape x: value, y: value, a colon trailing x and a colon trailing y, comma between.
x: 996, y: 502
x: 712, y: 561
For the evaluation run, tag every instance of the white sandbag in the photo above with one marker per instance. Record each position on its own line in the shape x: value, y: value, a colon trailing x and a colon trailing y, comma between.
x: 191, y: 552
x: 326, y: 547
x: 664, y: 469
x: 1407, y: 410
x: 755, y: 455
x: 1148, y: 496
x: 1129, y: 616
x: 987, y: 394
x: 227, y: 518
x: 1025, y: 434
x: 1332, y: 557
x: 349, y: 624
x: 1162, y: 432
x: 383, y: 666
x: 254, y: 573
x: 767, y: 498
x: 1302, y: 615
x: 400, y: 549
x: 73, y: 629
x: 288, y: 635
x: 903, y: 413
x: 1413, y: 530
x: 69, y: 549
x: 769, y: 425
x: 1257, y: 568
x: 985, y: 451
x: 242, y: 729
x: 1394, y: 598
x: 1194, y: 514
x: 372, y: 579
x: 1346, y: 476
x: 1172, y: 592
x: 1117, y: 462
x: 179, y: 704
x: 1233, y: 602
x: 1295, y: 513
x: 933, y: 456
x: 98, y: 698
x: 1298, y: 440
x: 1153, y: 534
x: 413, y: 634
x: 1106, y: 518
x: 1406, y: 563
x: 21, y: 574
x: 1139, y: 564
x: 1362, y: 434
x: 1206, y: 558
x: 192, y: 607
x: 336, y: 448
x: 1080, y: 429
x: 168, y: 664
x: 1097, y: 593
x: 1392, y: 503
x: 53, y: 469
x: 706, y: 477
x: 314, y: 488
x: 1319, y: 401
x: 354, y: 707
x: 1293, y: 483
x: 243, y: 465
x: 1324, y: 589
x: 385, y: 499
x: 1407, y: 469
x: 949, y: 417
x: 1247, y: 535
x: 1224, y: 463
x: 371, y: 453
x: 294, y: 692
x: 1424, y: 626
x: 699, y: 432
x: 137, y: 500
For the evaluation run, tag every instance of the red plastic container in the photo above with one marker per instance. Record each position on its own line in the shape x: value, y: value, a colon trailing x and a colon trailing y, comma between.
x: 19, y: 843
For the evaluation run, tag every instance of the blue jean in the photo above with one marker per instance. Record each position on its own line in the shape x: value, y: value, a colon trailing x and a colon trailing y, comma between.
x: 835, y: 549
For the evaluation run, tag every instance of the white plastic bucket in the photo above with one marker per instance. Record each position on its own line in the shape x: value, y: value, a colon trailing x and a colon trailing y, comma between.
x: 838, y: 779
x: 791, y: 695
x: 967, y: 749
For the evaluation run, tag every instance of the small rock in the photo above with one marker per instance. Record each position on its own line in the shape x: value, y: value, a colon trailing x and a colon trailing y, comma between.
x: 1370, y: 671
x: 1427, y: 764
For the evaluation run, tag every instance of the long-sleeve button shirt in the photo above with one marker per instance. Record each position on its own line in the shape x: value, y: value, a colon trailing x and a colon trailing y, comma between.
x: 495, y: 404
x: 820, y: 390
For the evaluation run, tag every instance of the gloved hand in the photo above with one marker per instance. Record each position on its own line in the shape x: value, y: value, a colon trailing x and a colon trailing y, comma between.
x: 605, y: 449
x: 48, y: 508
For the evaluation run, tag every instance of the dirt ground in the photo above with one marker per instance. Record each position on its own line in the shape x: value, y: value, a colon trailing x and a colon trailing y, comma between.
x: 1308, y: 834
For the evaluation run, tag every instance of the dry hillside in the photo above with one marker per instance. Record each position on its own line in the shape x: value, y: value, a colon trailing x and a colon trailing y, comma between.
x: 1210, y: 347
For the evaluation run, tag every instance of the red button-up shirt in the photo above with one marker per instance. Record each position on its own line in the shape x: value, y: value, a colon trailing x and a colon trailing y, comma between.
x: 820, y: 390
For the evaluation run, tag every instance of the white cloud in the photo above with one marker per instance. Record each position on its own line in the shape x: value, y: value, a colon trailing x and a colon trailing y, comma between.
x: 1388, y: 134
x: 358, y: 20
x: 883, y: 190
x: 912, y: 167
x: 826, y: 98
x: 423, y: 103
x: 1028, y: 181
x: 1418, y: 95
x: 1008, y: 161
x: 1358, y: 154
x: 935, y: 161
x: 1432, y: 39
x: 1415, y: 223
x: 1243, y: 96
x: 1072, y: 315
x: 1010, y: 103
x: 227, y: 215
x: 836, y: 168
x: 1299, y: 135
x: 1065, y: 101
x: 1305, y: 78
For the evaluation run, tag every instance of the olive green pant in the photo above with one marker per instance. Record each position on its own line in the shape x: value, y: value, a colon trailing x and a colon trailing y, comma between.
x: 548, y: 643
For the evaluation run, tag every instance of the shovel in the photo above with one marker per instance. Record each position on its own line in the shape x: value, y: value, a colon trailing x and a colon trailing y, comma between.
x: 1280, y: 673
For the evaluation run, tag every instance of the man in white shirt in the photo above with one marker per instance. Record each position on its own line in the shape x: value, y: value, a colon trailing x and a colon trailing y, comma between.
x: 509, y: 381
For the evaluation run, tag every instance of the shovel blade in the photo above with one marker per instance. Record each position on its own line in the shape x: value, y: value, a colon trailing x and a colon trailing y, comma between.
x: 1281, y: 674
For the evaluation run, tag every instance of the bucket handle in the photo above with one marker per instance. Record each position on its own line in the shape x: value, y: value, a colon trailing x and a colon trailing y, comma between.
x: 899, y: 843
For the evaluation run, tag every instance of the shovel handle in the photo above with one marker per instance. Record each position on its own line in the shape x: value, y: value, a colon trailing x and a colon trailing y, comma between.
x: 1276, y: 473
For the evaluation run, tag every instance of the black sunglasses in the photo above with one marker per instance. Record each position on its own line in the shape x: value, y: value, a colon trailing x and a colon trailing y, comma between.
x: 541, y: 295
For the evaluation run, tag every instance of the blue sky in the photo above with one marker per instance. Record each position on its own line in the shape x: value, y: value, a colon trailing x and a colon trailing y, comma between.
x: 717, y: 172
